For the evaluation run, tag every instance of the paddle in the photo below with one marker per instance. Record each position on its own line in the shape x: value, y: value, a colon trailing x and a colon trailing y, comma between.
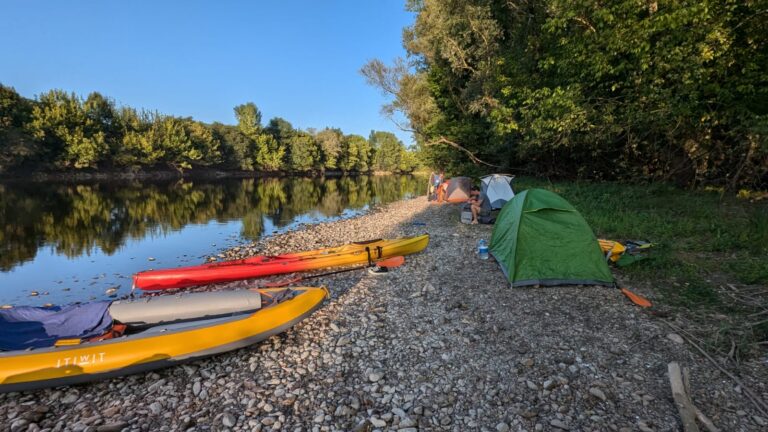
x: 636, y: 298
x: 388, y: 263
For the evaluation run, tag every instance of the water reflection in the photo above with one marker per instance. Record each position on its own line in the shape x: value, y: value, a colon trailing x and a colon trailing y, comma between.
x: 81, y: 221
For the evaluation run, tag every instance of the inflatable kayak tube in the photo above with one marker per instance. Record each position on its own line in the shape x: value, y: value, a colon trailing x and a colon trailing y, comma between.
x: 157, y: 346
x: 260, y: 266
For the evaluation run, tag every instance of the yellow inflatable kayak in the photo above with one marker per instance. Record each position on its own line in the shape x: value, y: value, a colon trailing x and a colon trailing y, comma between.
x: 260, y: 266
x: 161, y: 333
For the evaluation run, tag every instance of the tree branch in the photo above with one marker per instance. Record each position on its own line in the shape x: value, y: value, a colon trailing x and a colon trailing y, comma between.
x: 472, y: 157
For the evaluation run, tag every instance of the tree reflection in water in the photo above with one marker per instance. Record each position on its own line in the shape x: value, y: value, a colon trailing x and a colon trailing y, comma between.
x: 75, y: 219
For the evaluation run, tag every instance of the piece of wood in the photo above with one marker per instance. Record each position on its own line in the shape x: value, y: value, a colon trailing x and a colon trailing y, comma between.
x: 700, y: 416
x: 682, y: 401
x: 761, y: 406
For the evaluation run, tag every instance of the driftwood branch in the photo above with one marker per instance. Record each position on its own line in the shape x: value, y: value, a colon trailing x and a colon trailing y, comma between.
x: 472, y: 157
x: 753, y: 397
x: 682, y: 400
x: 700, y: 416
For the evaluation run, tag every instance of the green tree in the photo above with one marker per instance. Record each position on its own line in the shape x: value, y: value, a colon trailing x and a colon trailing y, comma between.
x: 16, y: 145
x: 238, y: 151
x: 270, y: 153
x: 248, y: 119
x: 330, y: 142
x: 60, y: 121
x: 304, y: 152
x: 672, y: 90
x: 388, y: 153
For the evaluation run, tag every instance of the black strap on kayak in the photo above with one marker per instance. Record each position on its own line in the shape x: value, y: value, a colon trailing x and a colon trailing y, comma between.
x: 380, y: 250
x: 368, y: 251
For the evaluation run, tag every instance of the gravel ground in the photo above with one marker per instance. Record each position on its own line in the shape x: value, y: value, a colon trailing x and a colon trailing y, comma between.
x: 440, y: 343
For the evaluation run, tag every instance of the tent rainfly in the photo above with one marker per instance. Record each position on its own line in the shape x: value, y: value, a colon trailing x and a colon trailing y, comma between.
x: 498, y: 189
x: 541, y: 239
x: 457, y: 189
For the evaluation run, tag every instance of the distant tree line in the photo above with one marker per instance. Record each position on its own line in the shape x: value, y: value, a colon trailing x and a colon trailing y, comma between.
x: 62, y: 131
x: 627, y: 89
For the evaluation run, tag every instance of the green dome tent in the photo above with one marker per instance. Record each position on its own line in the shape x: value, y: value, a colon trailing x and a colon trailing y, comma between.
x: 541, y: 239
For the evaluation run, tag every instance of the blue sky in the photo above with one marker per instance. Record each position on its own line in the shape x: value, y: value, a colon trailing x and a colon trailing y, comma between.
x: 298, y: 60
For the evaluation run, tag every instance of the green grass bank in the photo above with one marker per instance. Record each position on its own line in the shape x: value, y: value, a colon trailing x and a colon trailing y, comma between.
x: 711, y: 259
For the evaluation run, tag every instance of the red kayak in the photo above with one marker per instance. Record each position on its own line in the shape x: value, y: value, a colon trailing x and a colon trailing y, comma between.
x: 260, y: 266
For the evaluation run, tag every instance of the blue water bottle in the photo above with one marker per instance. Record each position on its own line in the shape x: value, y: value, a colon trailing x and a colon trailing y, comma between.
x: 482, y: 249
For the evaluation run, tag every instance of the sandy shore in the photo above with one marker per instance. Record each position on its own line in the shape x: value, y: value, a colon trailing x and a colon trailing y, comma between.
x: 440, y: 343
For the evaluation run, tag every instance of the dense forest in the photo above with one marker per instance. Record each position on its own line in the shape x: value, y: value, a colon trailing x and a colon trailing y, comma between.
x: 62, y: 131
x: 628, y: 89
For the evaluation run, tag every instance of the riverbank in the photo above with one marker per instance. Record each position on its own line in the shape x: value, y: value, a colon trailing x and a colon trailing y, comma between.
x: 166, y: 174
x: 440, y: 343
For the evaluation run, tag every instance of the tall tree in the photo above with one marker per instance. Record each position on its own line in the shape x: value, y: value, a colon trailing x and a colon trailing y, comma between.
x: 248, y: 119
x: 330, y: 141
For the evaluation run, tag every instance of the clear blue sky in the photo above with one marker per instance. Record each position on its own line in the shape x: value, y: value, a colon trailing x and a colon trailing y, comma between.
x: 298, y: 60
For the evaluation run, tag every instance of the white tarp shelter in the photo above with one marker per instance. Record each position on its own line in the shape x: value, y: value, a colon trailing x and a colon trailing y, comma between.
x: 498, y: 189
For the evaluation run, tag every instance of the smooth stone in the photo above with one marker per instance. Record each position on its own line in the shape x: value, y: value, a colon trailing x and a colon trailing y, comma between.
x: 596, y: 392
x: 377, y: 423
x: 228, y: 420
x: 676, y: 338
x: 70, y: 397
x: 375, y: 376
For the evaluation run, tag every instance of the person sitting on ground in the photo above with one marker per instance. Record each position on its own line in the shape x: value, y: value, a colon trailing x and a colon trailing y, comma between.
x: 476, y: 199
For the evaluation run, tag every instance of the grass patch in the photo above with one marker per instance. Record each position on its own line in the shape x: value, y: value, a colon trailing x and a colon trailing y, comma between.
x: 705, y: 239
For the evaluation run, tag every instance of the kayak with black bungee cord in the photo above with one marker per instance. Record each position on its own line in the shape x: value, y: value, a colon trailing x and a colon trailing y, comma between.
x: 367, y: 252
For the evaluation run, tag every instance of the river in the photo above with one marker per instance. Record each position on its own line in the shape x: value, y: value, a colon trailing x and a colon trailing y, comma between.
x: 68, y: 242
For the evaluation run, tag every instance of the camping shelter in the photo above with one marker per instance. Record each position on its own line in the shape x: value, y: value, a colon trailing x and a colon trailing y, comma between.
x: 457, y: 189
x: 541, y: 239
x: 498, y: 189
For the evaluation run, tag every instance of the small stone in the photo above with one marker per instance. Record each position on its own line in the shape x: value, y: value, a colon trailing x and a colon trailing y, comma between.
x: 268, y: 421
x: 155, y: 407
x: 596, y: 392
x: 759, y: 420
x: 502, y: 427
x: 228, y: 420
x: 549, y: 384
x: 377, y: 422
x: 363, y: 426
x: 676, y: 338
x: 644, y: 427
x: 375, y: 376
x: 319, y: 418
x: 196, y: 388
x: 559, y: 424
x: 112, y: 427
x: 531, y: 385
x: 334, y: 327
x: 70, y: 397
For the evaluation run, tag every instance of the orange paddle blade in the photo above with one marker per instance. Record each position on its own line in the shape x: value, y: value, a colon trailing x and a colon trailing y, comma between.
x: 636, y: 299
x: 391, y: 262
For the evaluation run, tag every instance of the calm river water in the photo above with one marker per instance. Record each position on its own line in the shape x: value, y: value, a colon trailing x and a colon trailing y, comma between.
x: 67, y: 242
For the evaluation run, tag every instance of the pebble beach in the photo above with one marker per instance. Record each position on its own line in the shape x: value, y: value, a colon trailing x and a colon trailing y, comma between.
x: 439, y: 344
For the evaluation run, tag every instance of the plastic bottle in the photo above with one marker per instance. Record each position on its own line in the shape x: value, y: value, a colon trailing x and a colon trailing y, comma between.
x: 482, y: 249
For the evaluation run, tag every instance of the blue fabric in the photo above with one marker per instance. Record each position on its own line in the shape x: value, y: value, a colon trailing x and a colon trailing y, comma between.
x: 35, y: 327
